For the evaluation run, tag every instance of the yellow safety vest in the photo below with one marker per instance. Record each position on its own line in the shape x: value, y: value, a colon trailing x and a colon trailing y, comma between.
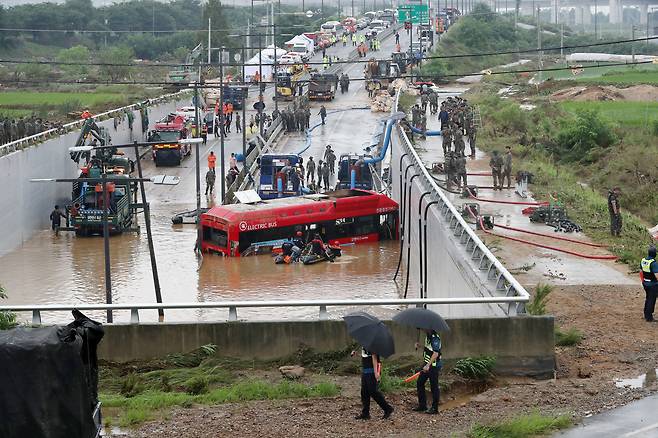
x: 645, y: 264
x: 428, y: 351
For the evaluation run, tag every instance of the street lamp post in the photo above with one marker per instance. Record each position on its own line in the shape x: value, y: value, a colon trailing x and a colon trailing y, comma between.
x: 221, y: 136
x: 276, y: 101
x: 106, y: 248
x: 244, y: 109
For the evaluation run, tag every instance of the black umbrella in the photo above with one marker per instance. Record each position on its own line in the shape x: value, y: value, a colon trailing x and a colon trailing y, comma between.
x: 370, y: 332
x: 422, y: 319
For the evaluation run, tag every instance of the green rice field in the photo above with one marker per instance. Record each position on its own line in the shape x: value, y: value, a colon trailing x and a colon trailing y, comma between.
x: 22, y: 99
x: 612, y: 75
x: 629, y: 113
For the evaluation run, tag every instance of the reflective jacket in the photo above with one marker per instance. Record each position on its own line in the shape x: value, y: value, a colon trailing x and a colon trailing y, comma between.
x: 647, y: 272
x: 432, y: 345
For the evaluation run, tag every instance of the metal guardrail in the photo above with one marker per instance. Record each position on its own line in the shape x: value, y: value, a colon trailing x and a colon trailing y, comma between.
x: 33, y: 140
x: 470, y: 242
x: 232, y: 306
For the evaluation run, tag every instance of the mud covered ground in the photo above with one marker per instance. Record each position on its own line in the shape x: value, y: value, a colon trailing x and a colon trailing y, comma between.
x: 617, y: 344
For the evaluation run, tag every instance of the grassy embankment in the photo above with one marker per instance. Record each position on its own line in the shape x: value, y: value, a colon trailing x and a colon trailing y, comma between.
x: 57, y: 104
x: 533, y: 424
x: 609, y: 75
x: 574, y: 154
x: 578, y: 153
x: 139, y: 391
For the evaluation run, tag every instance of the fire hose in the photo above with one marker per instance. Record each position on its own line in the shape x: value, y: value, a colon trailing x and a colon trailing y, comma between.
x: 527, y: 242
x: 494, y: 201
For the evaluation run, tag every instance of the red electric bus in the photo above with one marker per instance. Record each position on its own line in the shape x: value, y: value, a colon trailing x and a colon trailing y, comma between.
x: 342, y: 216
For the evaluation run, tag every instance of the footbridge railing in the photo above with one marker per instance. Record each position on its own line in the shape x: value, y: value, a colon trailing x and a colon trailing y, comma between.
x: 467, y: 255
x: 233, y: 306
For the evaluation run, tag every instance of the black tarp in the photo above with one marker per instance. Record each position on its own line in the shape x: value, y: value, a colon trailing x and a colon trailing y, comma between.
x: 48, y: 380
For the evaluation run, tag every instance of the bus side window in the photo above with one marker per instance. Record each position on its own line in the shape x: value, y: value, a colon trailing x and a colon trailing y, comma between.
x: 365, y: 225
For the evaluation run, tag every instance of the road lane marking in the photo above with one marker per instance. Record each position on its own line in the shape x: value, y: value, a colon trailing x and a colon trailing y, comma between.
x: 639, y: 431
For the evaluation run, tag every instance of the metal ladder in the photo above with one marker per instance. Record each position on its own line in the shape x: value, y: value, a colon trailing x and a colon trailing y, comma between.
x: 477, y: 118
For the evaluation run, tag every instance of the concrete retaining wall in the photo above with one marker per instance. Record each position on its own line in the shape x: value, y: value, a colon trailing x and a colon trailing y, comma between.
x: 25, y: 206
x: 451, y: 273
x: 523, y: 345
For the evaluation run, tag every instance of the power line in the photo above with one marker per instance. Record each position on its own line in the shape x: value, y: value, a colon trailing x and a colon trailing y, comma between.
x: 437, y: 77
x: 364, y: 61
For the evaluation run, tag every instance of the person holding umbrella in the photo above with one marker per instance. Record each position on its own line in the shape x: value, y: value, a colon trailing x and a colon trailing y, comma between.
x: 431, y: 359
x: 370, y: 377
x: 431, y: 323
x: 376, y: 341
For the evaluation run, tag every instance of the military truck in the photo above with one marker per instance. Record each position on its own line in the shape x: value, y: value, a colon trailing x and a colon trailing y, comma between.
x: 322, y: 86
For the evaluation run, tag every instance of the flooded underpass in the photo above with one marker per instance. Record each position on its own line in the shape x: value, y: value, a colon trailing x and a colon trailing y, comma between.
x: 66, y: 269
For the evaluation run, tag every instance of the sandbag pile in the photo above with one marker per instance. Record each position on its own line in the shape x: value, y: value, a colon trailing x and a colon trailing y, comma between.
x: 382, y: 102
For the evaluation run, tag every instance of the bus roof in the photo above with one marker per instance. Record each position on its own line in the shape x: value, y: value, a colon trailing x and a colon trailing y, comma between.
x: 343, y: 203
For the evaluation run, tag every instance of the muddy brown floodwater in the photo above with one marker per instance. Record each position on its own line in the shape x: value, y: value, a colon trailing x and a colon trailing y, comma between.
x: 51, y: 269
x: 63, y: 269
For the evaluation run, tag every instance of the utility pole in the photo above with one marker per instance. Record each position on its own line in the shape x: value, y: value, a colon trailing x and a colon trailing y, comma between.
x: 244, y: 109
x: 260, y: 83
x: 541, y: 54
x: 276, y: 101
x: 649, y: 11
x: 596, y: 20
x: 209, y: 44
x: 106, y: 249
x: 633, y: 44
x: 562, y: 41
x: 198, y: 170
x: 221, y: 137
x: 411, y: 47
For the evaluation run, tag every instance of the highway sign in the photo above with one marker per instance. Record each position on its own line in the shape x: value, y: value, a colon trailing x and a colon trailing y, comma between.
x: 415, y: 13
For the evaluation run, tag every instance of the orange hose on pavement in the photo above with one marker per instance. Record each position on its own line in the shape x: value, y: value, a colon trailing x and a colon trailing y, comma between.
x: 580, y: 242
x: 553, y: 248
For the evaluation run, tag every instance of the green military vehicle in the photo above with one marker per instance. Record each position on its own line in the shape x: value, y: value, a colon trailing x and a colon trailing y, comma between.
x: 87, y: 205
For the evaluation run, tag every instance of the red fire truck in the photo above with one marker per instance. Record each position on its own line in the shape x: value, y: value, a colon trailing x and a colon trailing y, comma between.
x: 169, y: 151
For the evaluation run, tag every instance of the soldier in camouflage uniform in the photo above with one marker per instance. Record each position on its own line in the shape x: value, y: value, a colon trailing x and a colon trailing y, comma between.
x: 449, y: 168
x: 458, y: 139
x: 471, y: 131
x: 20, y: 128
x: 423, y: 124
x: 447, y: 140
x: 460, y: 166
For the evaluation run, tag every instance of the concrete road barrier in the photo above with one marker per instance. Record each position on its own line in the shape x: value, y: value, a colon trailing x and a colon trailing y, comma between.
x: 522, y: 345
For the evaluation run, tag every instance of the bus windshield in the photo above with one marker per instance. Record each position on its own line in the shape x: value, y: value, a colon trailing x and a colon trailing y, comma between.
x: 215, y: 236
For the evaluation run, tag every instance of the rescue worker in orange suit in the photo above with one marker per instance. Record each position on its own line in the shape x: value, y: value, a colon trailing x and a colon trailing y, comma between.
x: 431, y: 359
x: 649, y: 269
x: 212, y: 159
x: 298, y: 245
x: 317, y: 245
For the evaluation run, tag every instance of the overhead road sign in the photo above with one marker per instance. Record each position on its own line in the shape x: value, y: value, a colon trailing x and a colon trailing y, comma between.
x: 416, y: 14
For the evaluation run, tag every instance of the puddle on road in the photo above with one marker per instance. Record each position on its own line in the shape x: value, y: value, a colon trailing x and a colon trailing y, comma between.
x: 642, y: 381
